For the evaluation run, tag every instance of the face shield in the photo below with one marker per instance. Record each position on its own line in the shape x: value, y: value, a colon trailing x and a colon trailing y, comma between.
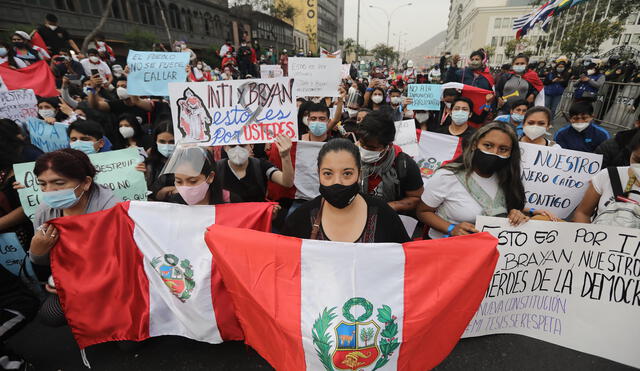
x: 187, y: 159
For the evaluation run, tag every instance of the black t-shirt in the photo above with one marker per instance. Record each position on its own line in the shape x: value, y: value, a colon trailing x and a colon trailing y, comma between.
x: 408, y: 176
x: 55, y: 40
x: 249, y: 188
x: 388, y: 226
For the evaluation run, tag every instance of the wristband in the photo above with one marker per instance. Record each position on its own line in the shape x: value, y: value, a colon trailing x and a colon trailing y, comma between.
x: 531, y: 210
x: 449, y: 230
x: 92, y: 90
x: 369, y: 89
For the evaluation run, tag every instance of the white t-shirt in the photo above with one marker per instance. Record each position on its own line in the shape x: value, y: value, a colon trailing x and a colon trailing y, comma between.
x: 445, y: 192
x: 602, y: 185
x: 103, y: 68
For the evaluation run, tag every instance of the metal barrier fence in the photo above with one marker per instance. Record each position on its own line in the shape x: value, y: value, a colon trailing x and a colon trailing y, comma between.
x: 616, y: 107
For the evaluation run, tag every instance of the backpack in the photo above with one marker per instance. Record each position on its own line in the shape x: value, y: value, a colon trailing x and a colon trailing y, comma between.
x: 617, y: 213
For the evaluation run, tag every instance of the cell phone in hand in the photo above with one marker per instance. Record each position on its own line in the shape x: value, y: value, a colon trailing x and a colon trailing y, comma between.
x: 94, y: 72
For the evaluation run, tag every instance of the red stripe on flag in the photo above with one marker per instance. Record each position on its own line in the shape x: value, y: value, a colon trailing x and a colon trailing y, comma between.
x: 257, y: 216
x: 37, y: 40
x: 112, y: 300
x: 457, y: 278
x: 37, y: 76
x: 265, y: 285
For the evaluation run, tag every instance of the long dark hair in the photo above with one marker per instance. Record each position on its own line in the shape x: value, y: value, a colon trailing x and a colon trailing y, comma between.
x: 337, y: 145
x: 10, y: 54
x: 137, y: 129
x: 156, y: 160
x: 508, y: 176
x: 384, y: 98
x: 10, y: 145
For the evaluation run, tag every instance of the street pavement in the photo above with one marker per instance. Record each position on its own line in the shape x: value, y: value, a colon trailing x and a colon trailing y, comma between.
x: 54, y: 349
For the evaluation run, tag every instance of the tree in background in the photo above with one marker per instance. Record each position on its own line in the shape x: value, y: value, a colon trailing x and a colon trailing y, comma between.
x: 349, y: 46
x: 578, y: 41
x: 140, y: 40
x: 94, y: 32
x: 384, y: 52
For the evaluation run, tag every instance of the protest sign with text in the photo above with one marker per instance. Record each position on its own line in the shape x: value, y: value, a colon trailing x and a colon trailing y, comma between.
x: 306, y: 172
x: 269, y: 71
x: 555, y: 179
x: 434, y: 150
x: 18, y: 105
x: 234, y: 111
x: 151, y: 72
x: 316, y: 77
x: 48, y: 137
x: 426, y: 97
x: 406, y: 137
x: 116, y: 171
x: 571, y: 284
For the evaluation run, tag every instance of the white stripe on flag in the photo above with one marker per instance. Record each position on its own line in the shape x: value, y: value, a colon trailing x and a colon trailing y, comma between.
x: 177, y: 230
x: 333, y: 272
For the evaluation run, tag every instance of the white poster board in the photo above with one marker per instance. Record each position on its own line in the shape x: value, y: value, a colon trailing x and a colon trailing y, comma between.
x: 306, y: 173
x: 269, y: 71
x: 233, y: 111
x: 571, y: 284
x: 555, y: 179
x: 406, y: 137
x: 316, y: 77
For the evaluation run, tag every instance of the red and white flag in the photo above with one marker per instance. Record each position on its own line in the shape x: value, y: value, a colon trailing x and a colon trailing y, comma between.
x: 477, y: 95
x: 36, y: 76
x: 142, y: 269
x: 435, y: 150
x: 318, y: 305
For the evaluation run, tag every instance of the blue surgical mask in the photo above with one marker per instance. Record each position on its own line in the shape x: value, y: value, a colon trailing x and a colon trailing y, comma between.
x: 166, y: 149
x: 62, y: 199
x: 84, y: 146
x: 317, y: 128
x: 519, y: 68
x: 3, y: 52
x: 459, y: 117
x: 517, y: 117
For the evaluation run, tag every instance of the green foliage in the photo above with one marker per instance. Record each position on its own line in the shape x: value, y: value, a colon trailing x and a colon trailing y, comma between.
x: 321, y: 337
x: 383, y: 52
x: 140, y: 40
x: 367, y: 334
x: 6, y: 30
x: 389, y: 342
x: 490, y: 51
x: 578, y: 41
x: 283, y: 10
x: 368, y: 309
x: 210, y: 56
x: 349, y: 46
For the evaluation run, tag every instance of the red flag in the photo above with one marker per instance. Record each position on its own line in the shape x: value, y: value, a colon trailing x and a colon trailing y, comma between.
x: 477, y: 95
x: 316, y: 305
x: 533, y: 79
x: 37, y: 40
x: 37, y: 76
x: 142, y: 269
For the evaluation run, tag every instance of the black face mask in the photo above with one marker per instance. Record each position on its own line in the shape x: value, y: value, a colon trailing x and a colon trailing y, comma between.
x: 339, y: 195
x: 488, y: 163
x: 18, y: 44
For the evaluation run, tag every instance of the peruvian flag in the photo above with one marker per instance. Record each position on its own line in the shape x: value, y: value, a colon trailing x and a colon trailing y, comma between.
x: 142, y: 269
x: 36, y: 76
x: 319, y: 305
x: 435, y: 150
x: 477, y: 95
x: 37, y: 40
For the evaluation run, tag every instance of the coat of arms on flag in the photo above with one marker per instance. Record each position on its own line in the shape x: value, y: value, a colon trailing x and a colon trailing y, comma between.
x: 176, y: 274
x: 357, y: 346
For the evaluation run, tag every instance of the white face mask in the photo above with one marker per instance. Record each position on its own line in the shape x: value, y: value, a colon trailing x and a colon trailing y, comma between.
x: 122, y: 93
x: 352, y: 112
x: 447, y: 104
x: 519, y: 68
x: 591, y: 72
x: 370, y: 157
x: 52, y: 27
x: 126, y: 132
x: 422, y: 116
x: 238, y: 155
x: 396, y: 100
x: 47, y: 113
x: 199, y: 66
x: 580, y: 126
x: 94, y: 59
x: 376, y: 99
x: 534, y: 132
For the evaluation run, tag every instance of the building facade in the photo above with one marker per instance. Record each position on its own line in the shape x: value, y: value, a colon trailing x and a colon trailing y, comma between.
x: 475, y: 24
x: 201, y: 23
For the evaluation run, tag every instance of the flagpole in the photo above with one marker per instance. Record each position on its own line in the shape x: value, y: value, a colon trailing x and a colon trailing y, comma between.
x: 606, y: 12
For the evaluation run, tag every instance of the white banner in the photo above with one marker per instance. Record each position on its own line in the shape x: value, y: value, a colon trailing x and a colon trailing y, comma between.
x: 406, y: 137
x: 316, y: 77
x: 18, y: 105
x: 234, y: 111
x: 571, y: 284
x: 434, y: 149
x: 306, y: 174
x: 269, y: 71
x: 555, y: 179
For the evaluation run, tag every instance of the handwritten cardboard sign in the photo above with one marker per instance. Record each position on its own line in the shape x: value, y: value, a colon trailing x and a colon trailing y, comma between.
x: 316, y: 77
x: 406, y: 137
x: 151, y: 72
x: 18, y: 105
x: 116, y: 170
x: 46, y: 136
x: 556, y: 179
x: 571, y: 284
x: 425, y: 97
x: 234, y: 112
x: 269, y: 71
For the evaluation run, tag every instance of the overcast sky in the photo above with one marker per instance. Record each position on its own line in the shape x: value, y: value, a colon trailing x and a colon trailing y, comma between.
x: 421, y: 21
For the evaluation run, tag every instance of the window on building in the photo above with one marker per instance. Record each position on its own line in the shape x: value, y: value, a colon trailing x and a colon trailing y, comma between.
x: 187, y: 20
x: 501, y: 42
x: 116, y: 12
x: 626, y: 38
x: 85, y: 7
x: 497, y: 23
x: 494, y: 41
x: 134, y: 11
x: 506, y: 22
x: 207, y: 23
x: 174, y: 17
x: 635, y: 39
x: 66, y: 5
x: 632, y: 18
